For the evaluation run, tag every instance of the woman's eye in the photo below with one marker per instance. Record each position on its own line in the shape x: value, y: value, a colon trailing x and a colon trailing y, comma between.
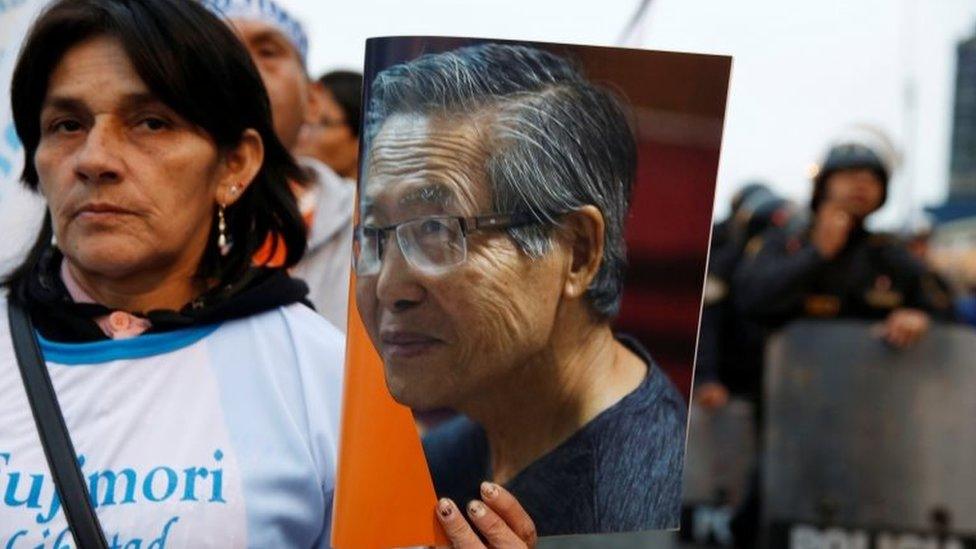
x: 66, y: 125
x: 154, y: 123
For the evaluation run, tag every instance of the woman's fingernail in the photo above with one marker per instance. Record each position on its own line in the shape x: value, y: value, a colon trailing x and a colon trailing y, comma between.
x: 445, y: 508
x: 489, y: 489
x: 476, y: 509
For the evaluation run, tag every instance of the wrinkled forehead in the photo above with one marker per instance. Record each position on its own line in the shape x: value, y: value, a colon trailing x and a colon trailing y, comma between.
x: 423, y: 165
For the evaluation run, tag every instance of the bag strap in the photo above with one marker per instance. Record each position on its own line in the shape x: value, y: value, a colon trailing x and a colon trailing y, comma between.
x: 58, y: 449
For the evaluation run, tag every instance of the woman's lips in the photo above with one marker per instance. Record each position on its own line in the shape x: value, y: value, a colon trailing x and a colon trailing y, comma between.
x: 398, y: 344
x: 100, y: 210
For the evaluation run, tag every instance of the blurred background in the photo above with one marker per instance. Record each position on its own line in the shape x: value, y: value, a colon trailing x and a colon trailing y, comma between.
x: 859, y: 446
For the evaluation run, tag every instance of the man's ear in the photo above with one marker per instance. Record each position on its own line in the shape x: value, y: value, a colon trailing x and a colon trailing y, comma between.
x: 582, y: 232
x: 241, y: 165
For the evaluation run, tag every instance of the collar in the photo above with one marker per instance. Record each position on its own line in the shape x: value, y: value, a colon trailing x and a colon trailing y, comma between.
x: 335, y: 200
x: 60, y: 318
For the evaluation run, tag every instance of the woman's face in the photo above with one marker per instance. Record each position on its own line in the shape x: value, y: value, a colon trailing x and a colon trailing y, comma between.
x: 130, y: 185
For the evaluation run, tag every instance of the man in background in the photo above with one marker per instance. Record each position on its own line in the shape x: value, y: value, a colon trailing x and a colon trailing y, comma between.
x: 837, y: 268
x: 279, y: 46
x: 333, y: 138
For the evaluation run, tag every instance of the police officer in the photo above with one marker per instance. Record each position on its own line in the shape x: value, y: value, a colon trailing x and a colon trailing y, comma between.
x: 837, y: 268
x: 729, y: 347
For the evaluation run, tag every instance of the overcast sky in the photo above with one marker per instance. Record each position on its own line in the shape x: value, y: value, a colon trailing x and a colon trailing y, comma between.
x: 802, y: 70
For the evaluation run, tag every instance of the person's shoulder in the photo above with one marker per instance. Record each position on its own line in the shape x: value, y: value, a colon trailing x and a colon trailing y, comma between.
x: 894, y: 252
x: 310, y: 327
x: 652, y: 418
x: 326, y: 178
x: 774, y: 238
x: 892, y: 246
x: 643, y: 445
x: 656, y: 391
x: 4, y: 324
x: 300, y: 327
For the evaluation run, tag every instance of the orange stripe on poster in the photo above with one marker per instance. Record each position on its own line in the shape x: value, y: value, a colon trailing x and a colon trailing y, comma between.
x: 384, y: 494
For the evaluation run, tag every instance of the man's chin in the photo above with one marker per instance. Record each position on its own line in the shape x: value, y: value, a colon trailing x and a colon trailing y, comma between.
x: 416, y: 396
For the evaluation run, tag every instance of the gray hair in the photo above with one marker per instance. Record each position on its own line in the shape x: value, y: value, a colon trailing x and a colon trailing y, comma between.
x: 557, y: 142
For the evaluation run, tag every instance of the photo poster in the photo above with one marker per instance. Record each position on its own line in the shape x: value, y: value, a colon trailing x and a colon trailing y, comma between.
x: 420, y: 170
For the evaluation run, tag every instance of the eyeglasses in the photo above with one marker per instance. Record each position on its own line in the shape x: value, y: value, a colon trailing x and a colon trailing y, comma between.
x: 432, y: 245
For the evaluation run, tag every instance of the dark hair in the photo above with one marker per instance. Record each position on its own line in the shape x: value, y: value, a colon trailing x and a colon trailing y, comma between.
x: 557, y: 141
x: 347, y: 88
x: 196, y: 65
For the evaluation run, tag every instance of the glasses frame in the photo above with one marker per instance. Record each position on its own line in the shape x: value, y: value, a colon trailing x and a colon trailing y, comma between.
x: 469, y: 225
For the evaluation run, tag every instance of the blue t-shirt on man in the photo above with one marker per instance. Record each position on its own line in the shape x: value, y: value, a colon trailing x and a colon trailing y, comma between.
x: 620, y: 472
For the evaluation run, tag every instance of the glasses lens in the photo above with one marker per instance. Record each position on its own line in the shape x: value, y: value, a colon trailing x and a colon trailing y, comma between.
x: 432, y: 244
x: 366, y: 251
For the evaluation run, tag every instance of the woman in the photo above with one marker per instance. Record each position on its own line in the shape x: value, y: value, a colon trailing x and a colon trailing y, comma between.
x: 200, y: 392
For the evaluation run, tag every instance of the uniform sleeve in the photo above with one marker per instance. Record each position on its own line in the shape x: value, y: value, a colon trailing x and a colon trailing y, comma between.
x: 722, y: 257
x: 926, y: 290
x: 771, y: 281
x: 706, y: 365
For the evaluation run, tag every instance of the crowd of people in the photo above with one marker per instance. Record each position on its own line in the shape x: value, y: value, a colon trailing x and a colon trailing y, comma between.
x: 185, y: 302
x: 173, y: 344
x: 773, y: 263
x: 175, y: 350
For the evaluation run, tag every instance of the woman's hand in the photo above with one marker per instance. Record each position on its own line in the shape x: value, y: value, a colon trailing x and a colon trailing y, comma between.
x: 498, y: 517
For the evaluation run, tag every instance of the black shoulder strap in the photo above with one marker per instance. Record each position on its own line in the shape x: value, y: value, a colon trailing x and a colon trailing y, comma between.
x: 58, y: 449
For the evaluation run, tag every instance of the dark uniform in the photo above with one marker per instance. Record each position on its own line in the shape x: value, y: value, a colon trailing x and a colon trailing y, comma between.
x: 730, y: 347
x: 783, y: 277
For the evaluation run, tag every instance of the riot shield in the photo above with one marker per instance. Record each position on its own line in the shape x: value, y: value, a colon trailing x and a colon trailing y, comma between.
x: 866, y: 441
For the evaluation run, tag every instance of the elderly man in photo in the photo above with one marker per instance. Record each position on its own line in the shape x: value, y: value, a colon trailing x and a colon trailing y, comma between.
x: 490, y: 261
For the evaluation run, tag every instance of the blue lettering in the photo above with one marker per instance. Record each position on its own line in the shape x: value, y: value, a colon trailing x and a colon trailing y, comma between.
x: 52, y: 511
x: 11, y: 137
x: 13, y: 538
x: 110, y: 480
x: 147, y: 485
x: 160, y: 542
x: 5, y: 166
x: 61, y: 542
x: 189, y: 490
x: 218, y: 480
x: 33, y: 498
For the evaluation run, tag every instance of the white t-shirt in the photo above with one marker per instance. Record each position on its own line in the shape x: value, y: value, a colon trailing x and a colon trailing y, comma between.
x: 214, y: 436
